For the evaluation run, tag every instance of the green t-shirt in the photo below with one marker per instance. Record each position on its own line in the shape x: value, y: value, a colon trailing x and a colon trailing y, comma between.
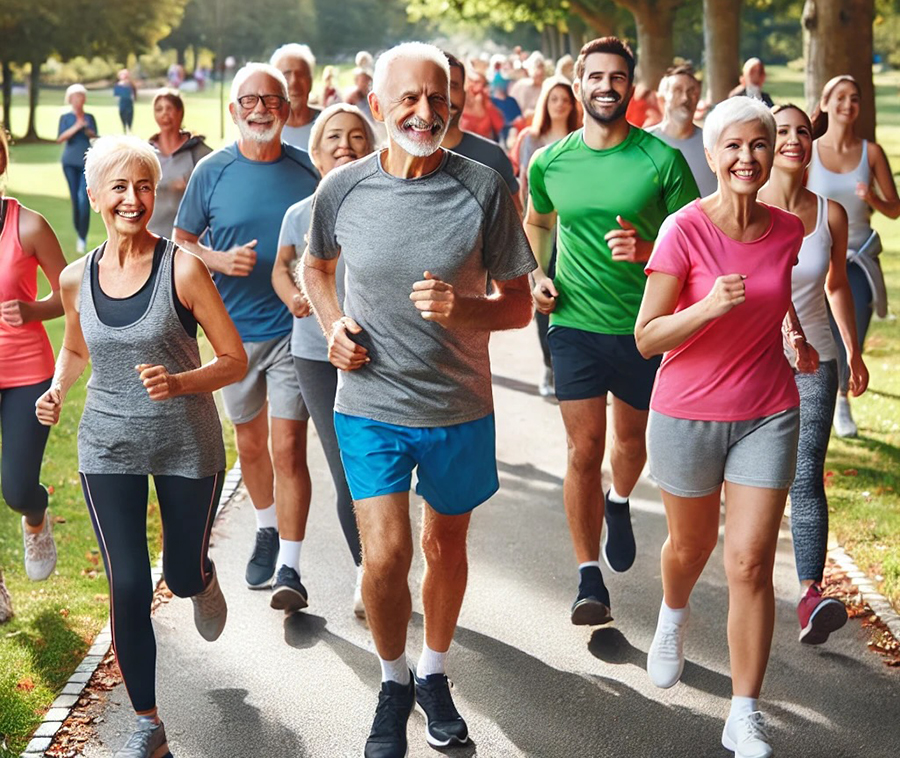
x: 643, y: 180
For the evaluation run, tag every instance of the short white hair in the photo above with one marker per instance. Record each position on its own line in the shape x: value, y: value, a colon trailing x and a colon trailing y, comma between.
x: 295, y: 50
x: 535, y: 61
x: 247, y: 71
x: 411, y: 51
x: 74, y: 89
x: 737, y: 110
x: 111, y: 153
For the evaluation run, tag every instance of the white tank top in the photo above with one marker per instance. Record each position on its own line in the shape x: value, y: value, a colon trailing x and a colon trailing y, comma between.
x: 842, y: 189
x: 808, y: 287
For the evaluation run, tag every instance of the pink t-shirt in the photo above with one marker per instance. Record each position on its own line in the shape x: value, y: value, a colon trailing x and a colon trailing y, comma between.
x: 733, y: 369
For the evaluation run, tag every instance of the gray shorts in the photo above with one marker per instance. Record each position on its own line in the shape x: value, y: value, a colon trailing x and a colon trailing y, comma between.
x: 692, y: 458
x: 270, y: 374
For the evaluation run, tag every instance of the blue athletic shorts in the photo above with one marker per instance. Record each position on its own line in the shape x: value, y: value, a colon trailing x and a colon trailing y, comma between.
x: 457, y: 465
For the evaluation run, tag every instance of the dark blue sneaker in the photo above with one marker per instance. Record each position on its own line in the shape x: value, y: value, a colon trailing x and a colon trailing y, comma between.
x: 388, y: 736
x: 618, y: 538
x: 261, y: 567
x: 289, y: 594
x: 443, y: 724
x: 591, y: 607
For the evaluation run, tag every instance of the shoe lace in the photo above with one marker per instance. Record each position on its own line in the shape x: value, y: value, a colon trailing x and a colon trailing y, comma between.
x: 390, y: 715
x: 39, y: 547
x: 208, y: 601
x: 264, y: 550
x: 668, y: 640
x: 442, y: 701
x: 139, y: 740
x: 753, y: 727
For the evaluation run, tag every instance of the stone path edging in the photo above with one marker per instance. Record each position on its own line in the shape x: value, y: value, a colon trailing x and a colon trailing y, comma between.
x: 879, y: 604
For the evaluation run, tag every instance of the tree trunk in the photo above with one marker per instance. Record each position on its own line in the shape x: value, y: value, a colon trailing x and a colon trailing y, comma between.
x: 7, y: 96
x: 34, y: 88
x: 839, y: 40
x: 180, y: 55
x: 655, y: 21
x: 722, y: 40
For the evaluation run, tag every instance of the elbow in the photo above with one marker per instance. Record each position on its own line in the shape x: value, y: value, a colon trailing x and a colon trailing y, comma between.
x: 644, y: 346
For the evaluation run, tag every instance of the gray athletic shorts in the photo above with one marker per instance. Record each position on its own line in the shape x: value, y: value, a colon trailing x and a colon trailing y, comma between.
x: 692, y: 458
x: 270, y: 374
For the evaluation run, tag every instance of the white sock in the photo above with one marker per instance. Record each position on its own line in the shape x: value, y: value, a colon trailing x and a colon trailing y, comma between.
x: 395, y: 671
x: 615, y: 497
x: 675, y: 615
x: 431, y: 662
x: 742, y: 706
x: 266, y: 518
x: 588, y: 564
x: 289, y: 553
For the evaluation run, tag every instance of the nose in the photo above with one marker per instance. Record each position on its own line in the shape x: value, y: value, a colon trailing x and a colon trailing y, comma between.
x: 130, y: 194
x: 424, y: 110
x: 259, y: 107
x: 345, y: 141
x: 746, y: 154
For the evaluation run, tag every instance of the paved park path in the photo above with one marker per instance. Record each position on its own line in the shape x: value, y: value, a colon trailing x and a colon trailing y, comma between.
x: 528, y: 682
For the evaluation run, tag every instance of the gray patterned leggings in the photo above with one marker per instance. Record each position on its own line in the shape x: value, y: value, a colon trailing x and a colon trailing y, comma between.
x: 809, y: 506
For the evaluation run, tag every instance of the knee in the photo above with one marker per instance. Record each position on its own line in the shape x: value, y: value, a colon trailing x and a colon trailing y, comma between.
x: 586, y: 454
x: 633, y: 446
x: 23, y: 497
x: 389, y: 561
x: 131, y: 595
x: 252, y: 444
x: 749, y: 570
x: 691, y: 555
x: 289, y: 452
x: 447, y: 551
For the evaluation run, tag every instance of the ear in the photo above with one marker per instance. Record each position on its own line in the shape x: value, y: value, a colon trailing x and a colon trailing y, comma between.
x: 576, y: 88
x: 92, y: 200
x: 375, y: 107
x: 709, y: 161
x: 232, y: 109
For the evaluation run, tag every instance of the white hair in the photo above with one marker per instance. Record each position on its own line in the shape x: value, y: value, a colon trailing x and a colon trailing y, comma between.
x: 295, y: 50
x: 737, y: 110
x: 247, y: 71
x: 534, y: 61
x: 411, y: 51
x: 74, y: 89
x: 111, y: 153
x: 318, y: 127
x: 364, y: 59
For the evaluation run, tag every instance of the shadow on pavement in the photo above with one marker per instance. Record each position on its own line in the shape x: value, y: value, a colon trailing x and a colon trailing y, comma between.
x: 528, y: 472
x: 516, y: 385
x: 246, y: 732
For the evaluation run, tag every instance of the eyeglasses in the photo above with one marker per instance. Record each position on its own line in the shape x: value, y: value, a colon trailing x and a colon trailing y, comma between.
x: 270, y: 102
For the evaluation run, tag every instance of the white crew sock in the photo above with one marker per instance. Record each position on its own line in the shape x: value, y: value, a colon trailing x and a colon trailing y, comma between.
x: 676, y: 616
x: 588, y: 564
x: 395, y: 671
x: 266, y: 518
x: 289, y: 553
x: 615, y: 497
x: 742, y: 706
x: 431, y: 662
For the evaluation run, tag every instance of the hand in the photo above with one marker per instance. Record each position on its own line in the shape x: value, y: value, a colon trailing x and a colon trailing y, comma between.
x: 545, y: 295
x: 343, y: 352
x: 299, y: 307
x: 15, y: 312
x: 160, y: 384
x: 726, y: 292
x: 434, y: 298
x: 179, y: 184
x: 859, y: 376
x: 807, y: 356
x: 864, y: 192
x: 240, y: 260
x: 623, y: 242
x: 48, y: 405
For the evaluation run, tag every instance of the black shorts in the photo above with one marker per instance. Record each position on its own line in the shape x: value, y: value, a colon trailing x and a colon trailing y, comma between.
x: 587, y: 365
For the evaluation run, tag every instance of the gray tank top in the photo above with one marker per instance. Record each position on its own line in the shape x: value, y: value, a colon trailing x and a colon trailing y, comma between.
x: 842, y: 188
x: 122, y: 430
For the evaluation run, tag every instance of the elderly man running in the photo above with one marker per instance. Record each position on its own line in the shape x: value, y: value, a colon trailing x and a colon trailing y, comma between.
x: 420, y: 229
x: 238, y: 195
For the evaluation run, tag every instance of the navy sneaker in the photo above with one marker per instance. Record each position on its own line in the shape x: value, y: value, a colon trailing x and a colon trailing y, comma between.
x: 618, y: 538
x: 388, y: 736
x: 261, y: 567
x: 443, y: 724
x: 289, y: 594
x: 591, y: 607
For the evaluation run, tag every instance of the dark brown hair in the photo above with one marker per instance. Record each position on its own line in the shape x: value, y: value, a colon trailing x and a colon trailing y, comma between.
x: 542, y: 122
x: 820, y: 117
x: 4, y: 152
x: 172, y: 95
x: 612, y: 45
x: 456, y: 63
x: 791, y: 107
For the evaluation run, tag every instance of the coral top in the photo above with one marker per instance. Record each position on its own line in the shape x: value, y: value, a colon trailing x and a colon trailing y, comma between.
x: 26, y: 356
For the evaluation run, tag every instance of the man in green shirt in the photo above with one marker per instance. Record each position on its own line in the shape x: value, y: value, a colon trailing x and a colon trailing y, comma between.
x: 611, y: 185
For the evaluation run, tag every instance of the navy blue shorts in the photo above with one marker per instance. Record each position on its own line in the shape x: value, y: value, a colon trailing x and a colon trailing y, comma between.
x: 588, y: 365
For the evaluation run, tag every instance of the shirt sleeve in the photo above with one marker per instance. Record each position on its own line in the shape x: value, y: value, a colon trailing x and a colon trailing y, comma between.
x: 507, y: 254
x: 91, y: 123
x: 322, y: 240
x: 679, y: 185
x: 294, y: 228
x: 670, y: 254
x: 193, y: 211
x: 64, y: 123
x: 537, y: 189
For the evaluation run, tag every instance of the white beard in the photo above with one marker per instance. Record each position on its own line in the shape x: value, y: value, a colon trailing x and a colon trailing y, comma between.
x: 256, y: 136
x: 416, y: 149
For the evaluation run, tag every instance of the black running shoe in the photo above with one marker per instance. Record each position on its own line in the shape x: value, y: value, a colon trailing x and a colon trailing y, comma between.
x: 388, y: 736
x: 618, y: 538
x: 591, y: 607
x: 289, y: 594
x: 443, y: 724
x: 261, y: 567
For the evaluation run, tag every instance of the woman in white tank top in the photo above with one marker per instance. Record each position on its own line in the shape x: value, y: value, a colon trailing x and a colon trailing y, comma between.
x: 821, y: 271
x: 846, y: 168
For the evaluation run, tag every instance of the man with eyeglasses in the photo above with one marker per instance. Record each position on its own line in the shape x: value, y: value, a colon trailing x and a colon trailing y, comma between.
x: 237, y: 196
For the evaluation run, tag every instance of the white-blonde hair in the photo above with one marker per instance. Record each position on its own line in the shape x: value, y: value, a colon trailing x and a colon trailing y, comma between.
x: 737, y: 110
x: 295, y: 50
x: 111, y: 153
x: 74, y: 89
x: 318, y: 128
x: 411, y: 51
x: 245, y: 72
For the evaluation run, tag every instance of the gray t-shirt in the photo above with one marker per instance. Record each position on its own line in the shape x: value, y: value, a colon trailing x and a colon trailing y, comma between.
x: 307, y: 340
x: 490, y: 154
x: 459, y: 223
x: 692, y: 150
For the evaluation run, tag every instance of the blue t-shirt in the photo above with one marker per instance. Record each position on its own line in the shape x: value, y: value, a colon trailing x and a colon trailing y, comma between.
x: 125, y: 93
x: 77, y: 145
x: 236, y: 200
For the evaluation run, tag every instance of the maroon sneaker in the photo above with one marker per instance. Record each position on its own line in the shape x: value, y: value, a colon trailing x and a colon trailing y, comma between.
x: 819, y: 616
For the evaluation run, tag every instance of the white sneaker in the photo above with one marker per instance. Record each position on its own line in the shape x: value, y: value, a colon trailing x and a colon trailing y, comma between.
x: 844, y: 425
x: 359, y: 607
x: 80, y: 245
x: 746, y: 736
x: 665, y: 661
x: 546, y: 387
x: 6, y: 611
x: 40, y: 551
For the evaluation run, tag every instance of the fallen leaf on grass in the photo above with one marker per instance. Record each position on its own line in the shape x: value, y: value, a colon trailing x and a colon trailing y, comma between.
x: 59, y: 519
x: 850, y: 472
x: 26, y: 684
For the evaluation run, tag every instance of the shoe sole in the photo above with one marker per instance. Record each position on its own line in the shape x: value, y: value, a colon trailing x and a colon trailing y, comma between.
x: 288, y: 600
x: 590, y: 612
x: 828, y: 617
x: 604, y: 539
x: 266, y: 585
x: 433, y: 741
x: 728, y: 744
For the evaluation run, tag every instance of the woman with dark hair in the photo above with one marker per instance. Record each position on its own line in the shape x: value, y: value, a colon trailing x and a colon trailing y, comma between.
x: 848, y: 169
x: 820, y: 272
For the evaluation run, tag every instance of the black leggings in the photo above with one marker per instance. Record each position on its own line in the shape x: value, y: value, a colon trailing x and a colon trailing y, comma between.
x: 21, y: 456
x: 118, y: 507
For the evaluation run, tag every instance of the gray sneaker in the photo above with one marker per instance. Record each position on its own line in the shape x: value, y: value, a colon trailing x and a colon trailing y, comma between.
x: 210, y: 610
x: 844, y: 425
x: 6, y: 611
x: 40, y: 551
x: 149, y: 741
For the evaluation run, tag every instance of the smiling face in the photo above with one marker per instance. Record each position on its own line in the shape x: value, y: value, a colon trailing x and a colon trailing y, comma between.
x: 680, y: 96
x: 260, y: 124
x: 605, y: 88
x: 299, y: 80
x: 742, y: 158
x: 559, y: 104
x: 344, y: 139
x: 167, y: 114
x: 793, y: 140
x: 843, y: 103
x: 125, y: 198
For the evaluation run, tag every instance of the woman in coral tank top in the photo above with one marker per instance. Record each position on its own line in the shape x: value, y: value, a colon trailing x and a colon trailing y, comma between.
x: 26, y: 367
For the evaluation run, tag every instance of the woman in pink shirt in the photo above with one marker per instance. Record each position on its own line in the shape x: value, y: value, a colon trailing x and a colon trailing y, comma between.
x: 725, y: 407
x: 26, y: 367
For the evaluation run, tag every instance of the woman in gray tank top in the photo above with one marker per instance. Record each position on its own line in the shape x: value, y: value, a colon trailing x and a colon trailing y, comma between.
x: 132, y: 308
x: 847, y: 169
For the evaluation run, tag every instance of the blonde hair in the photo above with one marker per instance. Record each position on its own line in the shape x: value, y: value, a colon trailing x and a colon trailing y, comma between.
x: 74, y: 89
x: 111, y: 153
x: 318, y: 128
